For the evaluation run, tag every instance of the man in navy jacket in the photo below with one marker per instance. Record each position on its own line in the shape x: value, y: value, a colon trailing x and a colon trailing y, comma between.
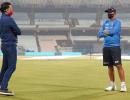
x: 8, y: 34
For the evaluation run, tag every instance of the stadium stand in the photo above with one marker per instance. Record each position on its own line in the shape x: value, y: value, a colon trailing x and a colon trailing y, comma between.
x: 28, y: 43
x: 48, y: 42
x: 66, y: 25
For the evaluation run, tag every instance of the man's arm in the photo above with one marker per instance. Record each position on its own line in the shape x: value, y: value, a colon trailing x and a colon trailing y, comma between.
x: 101, y: 32
x: 116, y: 28
x: 14, y: 28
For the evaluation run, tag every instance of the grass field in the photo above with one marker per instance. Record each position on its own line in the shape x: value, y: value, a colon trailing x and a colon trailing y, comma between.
x: 64, y: 80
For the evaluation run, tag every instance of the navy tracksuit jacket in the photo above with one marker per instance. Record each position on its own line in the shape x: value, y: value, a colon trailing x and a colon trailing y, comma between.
x: 8, y: 34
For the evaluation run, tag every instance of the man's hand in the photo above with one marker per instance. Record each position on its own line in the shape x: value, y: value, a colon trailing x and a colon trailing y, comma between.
x: 106, y: 32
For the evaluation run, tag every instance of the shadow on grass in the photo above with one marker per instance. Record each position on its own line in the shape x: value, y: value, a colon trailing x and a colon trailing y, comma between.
x: 92, y: 96
x: 41, y: 89
x: 48, y: 88
x: 15, y: 97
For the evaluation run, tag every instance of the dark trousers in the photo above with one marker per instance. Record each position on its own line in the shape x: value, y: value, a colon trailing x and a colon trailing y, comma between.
x: 9, y: 64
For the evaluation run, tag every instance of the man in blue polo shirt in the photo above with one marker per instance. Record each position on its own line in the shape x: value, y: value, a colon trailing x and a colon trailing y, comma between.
x: 8, y: 34
x: 110, y: 31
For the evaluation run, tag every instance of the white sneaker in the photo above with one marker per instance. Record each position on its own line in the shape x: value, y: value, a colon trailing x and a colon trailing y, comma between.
x: 111, y: 87
x: 123, y: 88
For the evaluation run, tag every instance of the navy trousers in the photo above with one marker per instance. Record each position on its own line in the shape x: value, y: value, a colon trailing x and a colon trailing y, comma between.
x: 8, y: 65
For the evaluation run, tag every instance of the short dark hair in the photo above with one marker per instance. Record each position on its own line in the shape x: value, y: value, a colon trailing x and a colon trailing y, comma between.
x: 4, y: 6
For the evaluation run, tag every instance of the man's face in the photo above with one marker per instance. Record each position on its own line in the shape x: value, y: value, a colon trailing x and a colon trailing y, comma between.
x: 10, y: 10
x: 111, y: 15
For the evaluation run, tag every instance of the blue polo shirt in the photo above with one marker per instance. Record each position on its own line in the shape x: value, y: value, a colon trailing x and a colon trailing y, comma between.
x: 114, y: 28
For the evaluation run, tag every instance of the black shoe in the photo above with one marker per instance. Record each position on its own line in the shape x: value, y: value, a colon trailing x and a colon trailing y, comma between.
x: 6, y: 92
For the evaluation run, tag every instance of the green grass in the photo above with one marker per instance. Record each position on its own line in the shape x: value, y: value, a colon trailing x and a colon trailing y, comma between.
x: 64, y: 80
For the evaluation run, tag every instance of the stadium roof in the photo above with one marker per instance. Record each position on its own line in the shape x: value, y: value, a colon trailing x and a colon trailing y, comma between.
x: 73, y: 4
